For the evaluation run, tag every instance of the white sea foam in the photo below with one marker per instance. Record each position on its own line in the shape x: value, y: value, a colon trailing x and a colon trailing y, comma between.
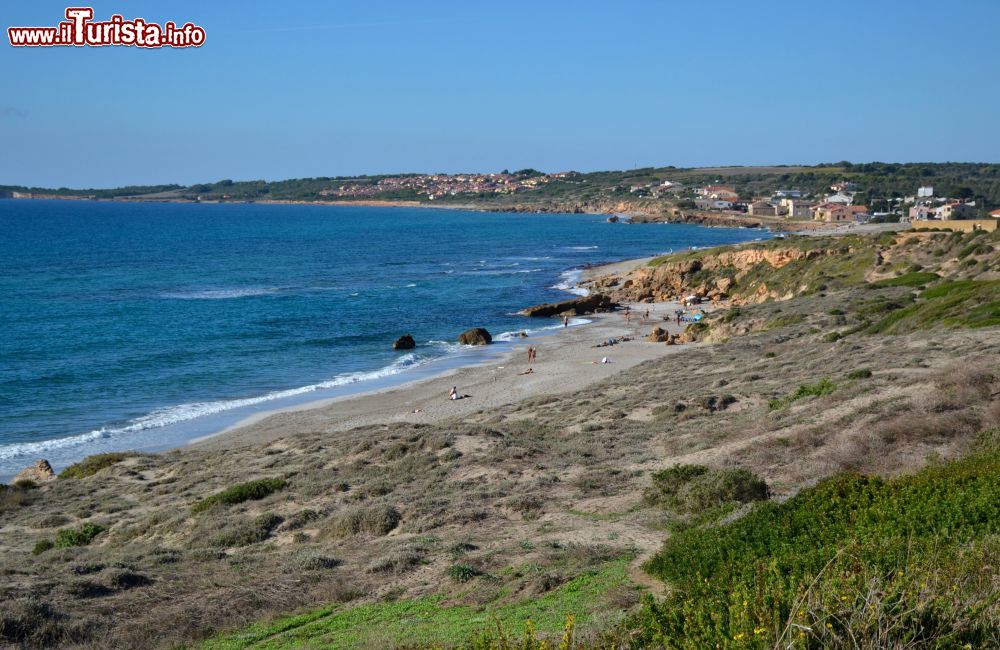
x: 568, y: 281
x: 169, y: 415
x: 219, y: 294
x: 516, y: 335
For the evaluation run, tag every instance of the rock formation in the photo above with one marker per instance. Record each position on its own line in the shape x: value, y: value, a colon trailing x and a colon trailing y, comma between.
x: 573, y: 307
x: 658, y: 335
x: 40, y: 472
x: 404, y: 342
x: 683, y: 277
x: 475, y: 336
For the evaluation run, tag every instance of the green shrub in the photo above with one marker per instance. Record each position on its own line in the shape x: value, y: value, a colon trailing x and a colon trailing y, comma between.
x: 690, y: 489
x: 960, y: 303
x: 852, y: 562
x: 82, y: 536
x: 249, y: 491
x: 912, y: 279
x: 860, y: 373
x: 93, y: 464
x: 820, y: 388
x: 463, y: 572
x: 785, y: 320
x: 41, y: 546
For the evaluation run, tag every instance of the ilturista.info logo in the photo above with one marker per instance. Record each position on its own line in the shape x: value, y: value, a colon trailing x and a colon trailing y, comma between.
x: 81, y: 30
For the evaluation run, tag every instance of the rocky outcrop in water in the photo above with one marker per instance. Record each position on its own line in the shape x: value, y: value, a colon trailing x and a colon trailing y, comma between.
x: 594, y: 303
x: 404, y: 342
x: 475, y: 336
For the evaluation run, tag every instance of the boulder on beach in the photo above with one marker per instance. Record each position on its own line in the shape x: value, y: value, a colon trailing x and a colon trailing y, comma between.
x: 40, y: 472
x: 475, y: 336
x: 591, y: 304
x: 404, y: 342
x: 658, y: 335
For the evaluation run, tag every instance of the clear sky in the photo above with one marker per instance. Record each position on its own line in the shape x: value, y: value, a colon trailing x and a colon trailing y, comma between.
x: 322, y: 88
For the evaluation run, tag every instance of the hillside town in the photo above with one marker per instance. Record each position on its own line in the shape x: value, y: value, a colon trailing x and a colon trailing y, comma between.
x: 438, y: 186
x: 838, y: 205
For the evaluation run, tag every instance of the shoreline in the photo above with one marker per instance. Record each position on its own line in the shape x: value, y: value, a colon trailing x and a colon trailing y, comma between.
x: 567, y: 361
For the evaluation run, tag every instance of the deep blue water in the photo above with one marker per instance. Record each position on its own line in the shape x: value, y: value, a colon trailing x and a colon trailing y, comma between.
x: 122, y: 324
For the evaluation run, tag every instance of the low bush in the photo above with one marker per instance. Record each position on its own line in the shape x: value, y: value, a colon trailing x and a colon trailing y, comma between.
x: 690, y: 489
x: 67, y: 537
x: 249, y: 491
x: 122, y: 579
x: 912, y: 279
x: 853, y: 562
x: 860, y: 373
x: 396, y: 562
x: 463, y: 572
x: 961, y: 303
x: 313, y: 561
x: 246, y: 532
x: 377, y: 520
x: 93, y: 464
x: 820, y: 388
x: 41, y: 546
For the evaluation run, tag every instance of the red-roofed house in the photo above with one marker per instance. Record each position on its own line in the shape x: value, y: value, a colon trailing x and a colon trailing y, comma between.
x: 995, y: 214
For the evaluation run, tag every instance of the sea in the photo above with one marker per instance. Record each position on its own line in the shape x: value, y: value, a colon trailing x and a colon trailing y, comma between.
x: 143, y: 326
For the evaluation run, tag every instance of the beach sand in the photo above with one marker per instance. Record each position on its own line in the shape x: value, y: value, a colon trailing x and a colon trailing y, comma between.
x: 566, y: 362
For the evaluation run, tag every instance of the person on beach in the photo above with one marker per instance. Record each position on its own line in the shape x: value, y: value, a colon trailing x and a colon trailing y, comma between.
x: 527, y: 372
x: 565, y: 321
x: 453, y: 395
x: 645, y: 315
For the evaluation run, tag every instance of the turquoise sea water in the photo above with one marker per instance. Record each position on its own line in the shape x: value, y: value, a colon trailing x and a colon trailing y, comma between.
x: 134, y: 325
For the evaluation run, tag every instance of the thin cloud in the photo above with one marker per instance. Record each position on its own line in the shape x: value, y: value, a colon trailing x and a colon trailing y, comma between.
x: 12, y: 111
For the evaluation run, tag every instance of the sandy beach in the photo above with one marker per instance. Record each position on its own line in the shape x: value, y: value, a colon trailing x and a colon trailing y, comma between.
x: 566, y: 361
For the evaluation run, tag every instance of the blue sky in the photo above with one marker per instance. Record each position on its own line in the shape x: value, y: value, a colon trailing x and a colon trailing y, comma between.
x: 313, y: 88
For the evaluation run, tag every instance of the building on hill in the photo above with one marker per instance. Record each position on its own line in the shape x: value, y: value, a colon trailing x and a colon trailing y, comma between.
x: 839, y: 197
x: 761, y: 209
x: 719, y: 192
x: 859, y: 212
x: 713, y: 204
x: 956, y: 210
x: 797, y: 208
x: 922, y: 212
x: 995, y: 214
x: 832, y: 212
x: 844, y: 186
x: 789, y: 194
x: 925, y: 192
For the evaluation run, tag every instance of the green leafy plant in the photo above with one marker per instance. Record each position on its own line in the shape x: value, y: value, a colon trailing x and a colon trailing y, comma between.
x: 249, y: 491
x: 81, y: 536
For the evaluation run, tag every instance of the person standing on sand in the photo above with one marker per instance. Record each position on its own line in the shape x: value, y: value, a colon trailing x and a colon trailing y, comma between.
x: 565, y: 321
x: 645, y: 316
